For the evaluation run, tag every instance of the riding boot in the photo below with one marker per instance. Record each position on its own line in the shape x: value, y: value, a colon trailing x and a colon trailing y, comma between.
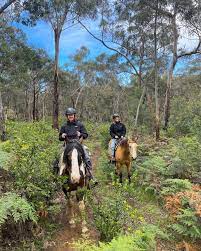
x: 56, y: 166
x: 89, y: 172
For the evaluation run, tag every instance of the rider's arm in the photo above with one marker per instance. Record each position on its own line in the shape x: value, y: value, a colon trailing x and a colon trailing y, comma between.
x: 62, y: 130
x: 112, y: 134
x: 83, y: 132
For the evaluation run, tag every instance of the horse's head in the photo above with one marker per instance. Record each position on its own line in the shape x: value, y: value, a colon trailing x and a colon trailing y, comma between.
x: 132, y: 142
x: 72, y: 161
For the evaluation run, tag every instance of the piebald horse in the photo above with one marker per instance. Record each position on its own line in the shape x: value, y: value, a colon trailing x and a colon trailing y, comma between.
x: 126, y: 151
x: 72, y: 165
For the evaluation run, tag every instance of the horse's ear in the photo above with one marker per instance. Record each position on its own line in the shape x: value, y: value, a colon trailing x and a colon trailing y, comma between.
x: 135, y: 138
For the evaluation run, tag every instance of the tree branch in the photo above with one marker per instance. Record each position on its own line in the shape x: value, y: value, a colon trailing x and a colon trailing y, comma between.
x: 110, y: 48
x: 197, y: 50
x: 6, y: 5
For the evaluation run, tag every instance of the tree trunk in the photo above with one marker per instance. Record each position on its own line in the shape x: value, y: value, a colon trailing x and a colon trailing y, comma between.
x: 26, y: 105
x: 157, y: 108
x: 139, y: 105
x: 34, y: 101
x: 170, y: 74
x: 37, y: 111
x: 57, y: 34
x: 2, y: 120
x: 141, y: 83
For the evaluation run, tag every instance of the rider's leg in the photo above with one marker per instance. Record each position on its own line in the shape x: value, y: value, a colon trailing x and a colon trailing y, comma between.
x: 87, y: 158
x: 58, y: 160
x: 113, y: 144
x: 88, y: 163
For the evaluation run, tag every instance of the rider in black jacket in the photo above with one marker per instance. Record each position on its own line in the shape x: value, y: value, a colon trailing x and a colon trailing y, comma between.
x: 117, y: 131
x: 71, y: 129
x: 74, y: 129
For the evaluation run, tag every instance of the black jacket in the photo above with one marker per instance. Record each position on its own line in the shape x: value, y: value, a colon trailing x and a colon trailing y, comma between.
x: 71, y: 128
x: 117, y: 129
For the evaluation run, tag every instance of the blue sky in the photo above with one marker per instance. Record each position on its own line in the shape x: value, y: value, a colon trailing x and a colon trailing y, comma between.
x: 41, y: 36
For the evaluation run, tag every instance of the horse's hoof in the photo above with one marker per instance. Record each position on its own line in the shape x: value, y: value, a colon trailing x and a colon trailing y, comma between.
x: 85, y: 230
x: 81, y: 205
x: 71, y: 222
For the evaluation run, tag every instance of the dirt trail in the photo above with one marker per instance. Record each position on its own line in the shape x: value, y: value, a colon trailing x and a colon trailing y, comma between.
x: 73, y: 227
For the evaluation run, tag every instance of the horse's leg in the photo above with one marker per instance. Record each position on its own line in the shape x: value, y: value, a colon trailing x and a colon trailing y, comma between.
x: 118, y: 171
x: 117, y: 168
x: 121, y: 177
x: 128, y: 165
x: 71, y: 213
x: 84, y: 227
x: 65, y: 191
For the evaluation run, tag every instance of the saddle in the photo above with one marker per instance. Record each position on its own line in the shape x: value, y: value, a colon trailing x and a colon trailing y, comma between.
x: 121, y: 141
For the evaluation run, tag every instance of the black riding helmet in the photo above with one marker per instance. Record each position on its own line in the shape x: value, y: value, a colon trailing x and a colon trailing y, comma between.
x: 70, y: 111
x: 115, y: 115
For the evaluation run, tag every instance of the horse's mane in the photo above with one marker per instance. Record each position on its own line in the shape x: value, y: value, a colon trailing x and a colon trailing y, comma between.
x: 70, y: 146
x: 123, y: 142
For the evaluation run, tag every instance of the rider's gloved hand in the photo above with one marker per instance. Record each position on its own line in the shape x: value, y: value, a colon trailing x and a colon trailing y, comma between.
x: 116, y: 137
x: 78, y: 134
x: 63, y: 135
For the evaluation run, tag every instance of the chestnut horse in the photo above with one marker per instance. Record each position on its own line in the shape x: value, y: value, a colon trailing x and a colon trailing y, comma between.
x: 126, y: 151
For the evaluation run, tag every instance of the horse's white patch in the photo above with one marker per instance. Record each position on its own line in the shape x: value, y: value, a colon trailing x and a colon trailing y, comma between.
x: 133, y: 150
x: 75, y: 172
x: 61, y: 164
x: 82, y: 168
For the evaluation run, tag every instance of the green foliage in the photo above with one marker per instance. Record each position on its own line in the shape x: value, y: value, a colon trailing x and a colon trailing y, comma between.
x: 143, y: 239
x: 188, y: 224
x: 167, y: 171
x: 152, y: 172
x: 4, y: 156
x: 186, y: 157
x: 12, y: 205
x: 186, y: 116
x: 173, y: 186
x: 103, y: 134
x: 33, y: 148
x: 107, y: 216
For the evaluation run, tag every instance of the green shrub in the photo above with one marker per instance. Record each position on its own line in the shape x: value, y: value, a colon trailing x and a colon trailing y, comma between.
x: 188, y: 224
x: 186, y: 158
x: 4, y: 156
x: 152, y: 172
x: 143, y: 239
x: 103, y: 134
x: 107, y: 216
x: 12, y: 205
x: 33, y: 147
x: 186, y: 115
x: 173, y: 186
